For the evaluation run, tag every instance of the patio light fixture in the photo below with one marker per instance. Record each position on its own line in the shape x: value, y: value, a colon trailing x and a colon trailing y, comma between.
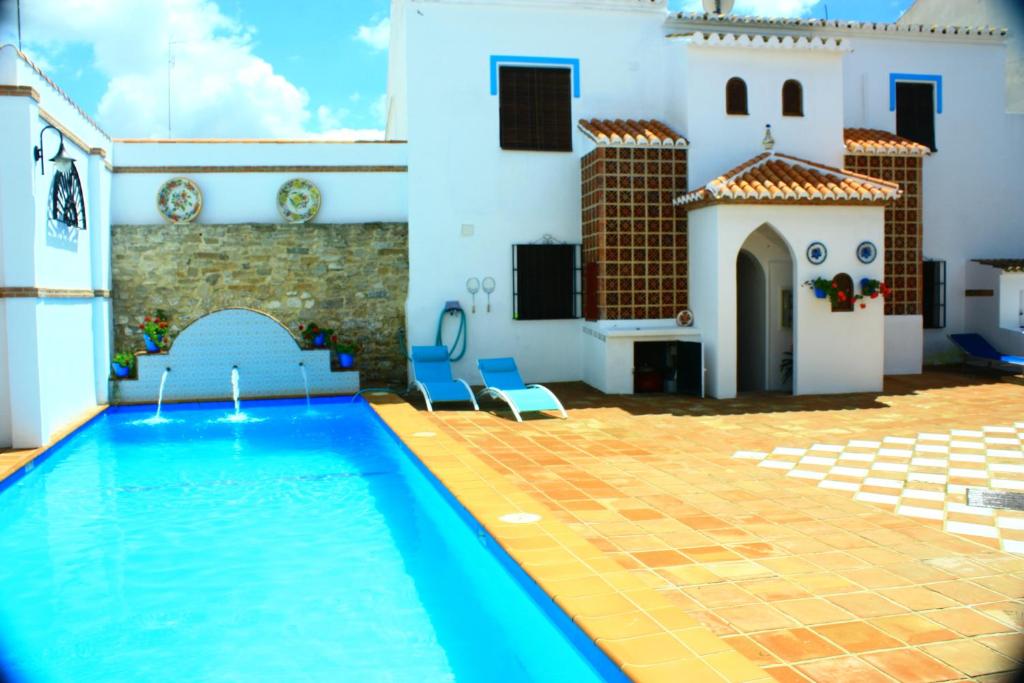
x: 60, y: 160
x: 67, y: 203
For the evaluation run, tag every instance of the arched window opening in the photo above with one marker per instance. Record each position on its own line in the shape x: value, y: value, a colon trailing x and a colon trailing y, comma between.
x: 843, y: 300
x: 736, y: 97
x: 792, y: 98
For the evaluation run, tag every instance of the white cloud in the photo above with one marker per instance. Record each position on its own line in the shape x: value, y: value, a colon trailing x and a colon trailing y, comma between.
x: 762, y: 8
x: 218, y: 86
x: 377, y: 36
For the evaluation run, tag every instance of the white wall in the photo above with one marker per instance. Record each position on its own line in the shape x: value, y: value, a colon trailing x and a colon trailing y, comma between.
x: 460, y: 175
x: 833, y: 352
x: 995, y: 317
x: 967, y: 213
x: 904, y: 344
x: 241, y: 196
x: 719, y: 142
x: 55, y: 367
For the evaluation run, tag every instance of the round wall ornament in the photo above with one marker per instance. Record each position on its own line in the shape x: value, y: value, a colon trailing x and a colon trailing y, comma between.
x: 684, y: 318
x: 179, y: 200
x: 298, y: 200
x: 817, y: 253
x: 867, y: 252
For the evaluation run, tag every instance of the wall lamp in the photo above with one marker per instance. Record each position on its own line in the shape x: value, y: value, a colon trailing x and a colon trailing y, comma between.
x: 61, y: 160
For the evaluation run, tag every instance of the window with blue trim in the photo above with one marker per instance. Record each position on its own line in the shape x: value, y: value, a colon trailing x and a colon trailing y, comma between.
x: 535, y: 108
x: 915, y: 111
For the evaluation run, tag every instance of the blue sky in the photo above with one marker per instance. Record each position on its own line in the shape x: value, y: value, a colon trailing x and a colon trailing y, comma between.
x: 248, y: 68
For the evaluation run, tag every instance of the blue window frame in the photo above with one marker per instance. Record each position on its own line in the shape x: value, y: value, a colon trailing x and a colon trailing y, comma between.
x: 560, y: 62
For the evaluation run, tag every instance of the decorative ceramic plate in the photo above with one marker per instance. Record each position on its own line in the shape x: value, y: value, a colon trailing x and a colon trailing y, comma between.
x: 817, y: 253
x: 684, y: 318
x: 298, y: 200
x: 179, y: 200
x: 866, y: 252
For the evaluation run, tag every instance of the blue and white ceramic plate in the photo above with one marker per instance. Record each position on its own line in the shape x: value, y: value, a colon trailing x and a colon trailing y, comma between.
x: 817, y: 253
x: 867, y: 252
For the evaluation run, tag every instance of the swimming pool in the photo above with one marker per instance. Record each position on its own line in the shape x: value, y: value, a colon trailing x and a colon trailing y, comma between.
x: 303, y: 545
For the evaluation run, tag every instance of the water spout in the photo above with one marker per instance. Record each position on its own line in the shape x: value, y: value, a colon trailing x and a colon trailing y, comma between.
x: 305, y: 381
x: 160, y: 396
x: 234, y: 389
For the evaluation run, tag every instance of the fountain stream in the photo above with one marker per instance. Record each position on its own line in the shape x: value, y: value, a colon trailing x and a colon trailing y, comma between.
x: 160, y: 396
x: 305, y: 381
x: 234, y: 389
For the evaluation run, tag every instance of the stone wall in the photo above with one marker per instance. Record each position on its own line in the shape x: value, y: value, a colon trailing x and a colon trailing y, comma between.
x: 352, y: 277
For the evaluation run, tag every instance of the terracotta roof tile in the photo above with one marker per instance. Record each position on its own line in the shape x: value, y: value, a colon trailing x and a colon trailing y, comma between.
x: 872, y: 141
x: 1013, y: 265
x: 776, y: 177
x: 631, y: 133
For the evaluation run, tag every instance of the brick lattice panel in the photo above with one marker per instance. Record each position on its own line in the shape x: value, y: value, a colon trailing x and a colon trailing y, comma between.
x: 903, y: 228
x: 633, y: 233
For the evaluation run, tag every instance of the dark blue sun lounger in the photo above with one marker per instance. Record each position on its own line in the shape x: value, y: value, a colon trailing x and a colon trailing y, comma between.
x: 976, y: 346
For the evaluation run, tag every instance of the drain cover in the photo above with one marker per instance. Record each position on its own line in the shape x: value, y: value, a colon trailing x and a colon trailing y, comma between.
x: 1004, y: 500
x: 520, y: 518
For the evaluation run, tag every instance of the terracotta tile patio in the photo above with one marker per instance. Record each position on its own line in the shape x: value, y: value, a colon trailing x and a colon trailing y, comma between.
x: 805, y: 582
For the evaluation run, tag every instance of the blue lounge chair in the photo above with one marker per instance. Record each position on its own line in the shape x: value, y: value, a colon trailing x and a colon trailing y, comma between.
x: 976, y: 346
x: 432, y: 375
x: 502, y: 380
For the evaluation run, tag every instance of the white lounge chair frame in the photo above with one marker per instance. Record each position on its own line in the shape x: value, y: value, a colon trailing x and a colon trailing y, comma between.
x: 501, y: 395
x: 426, y: 394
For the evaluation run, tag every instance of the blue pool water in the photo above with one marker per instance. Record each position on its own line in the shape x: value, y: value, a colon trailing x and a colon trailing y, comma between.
x: 300, y: 546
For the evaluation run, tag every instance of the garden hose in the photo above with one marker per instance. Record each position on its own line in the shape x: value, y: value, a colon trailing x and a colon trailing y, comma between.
x: 462, y: 335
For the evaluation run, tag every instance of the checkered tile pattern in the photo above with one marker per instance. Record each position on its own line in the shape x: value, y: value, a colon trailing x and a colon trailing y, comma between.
x: 926, y: 476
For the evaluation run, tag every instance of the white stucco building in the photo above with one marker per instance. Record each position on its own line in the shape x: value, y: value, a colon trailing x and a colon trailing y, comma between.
x: 640, y: 89
x: 601, y: 166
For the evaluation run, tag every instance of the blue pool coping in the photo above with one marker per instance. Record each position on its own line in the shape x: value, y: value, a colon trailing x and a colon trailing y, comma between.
x: 583, y: 643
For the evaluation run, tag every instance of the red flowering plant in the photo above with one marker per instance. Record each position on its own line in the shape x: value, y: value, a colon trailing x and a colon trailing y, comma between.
x: 154, y: 327
x: 315, y: 336
x: 831, y: 289
x: 873, y: 289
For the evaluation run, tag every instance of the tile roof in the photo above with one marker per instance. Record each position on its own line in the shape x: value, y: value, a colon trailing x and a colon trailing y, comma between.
x: 773, y: 177
x: 754, y: 40
x: 873, y: 141
x: 631, y: 133
x: 1013, y: 265
x: 718, y: 22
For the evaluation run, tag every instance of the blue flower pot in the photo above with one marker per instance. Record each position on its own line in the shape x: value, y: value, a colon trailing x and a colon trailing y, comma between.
x: 346, y: 360
x: 319, y: 341
x: 820, y: 293
x: 120, y: 370
x: 151, y: 346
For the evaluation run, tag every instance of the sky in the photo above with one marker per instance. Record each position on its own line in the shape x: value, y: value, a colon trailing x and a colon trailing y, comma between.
x: 255, y: 68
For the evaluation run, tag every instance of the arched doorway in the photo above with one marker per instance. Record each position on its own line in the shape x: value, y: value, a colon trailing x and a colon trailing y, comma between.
x: 764, y: 313
x: 751, y: 334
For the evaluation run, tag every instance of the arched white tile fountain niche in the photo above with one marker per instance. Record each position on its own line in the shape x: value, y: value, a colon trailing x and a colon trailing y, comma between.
x: 266, y: 354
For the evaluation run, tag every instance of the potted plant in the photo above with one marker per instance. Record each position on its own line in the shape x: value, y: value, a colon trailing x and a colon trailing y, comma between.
x: 346, y: 351
x: 830, y: 288
x: 315, y: 336
x: 874, y: 288
x: 154, y: 331
x: 822, y: 287
x: 123, y: 363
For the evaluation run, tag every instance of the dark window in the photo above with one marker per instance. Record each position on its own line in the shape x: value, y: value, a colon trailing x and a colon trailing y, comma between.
x: 915, y: 112
x: 792, y: 98
x: 736, y: 96
x: 545, y: 281
x: 934, y: 295
x: 536, y: 108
